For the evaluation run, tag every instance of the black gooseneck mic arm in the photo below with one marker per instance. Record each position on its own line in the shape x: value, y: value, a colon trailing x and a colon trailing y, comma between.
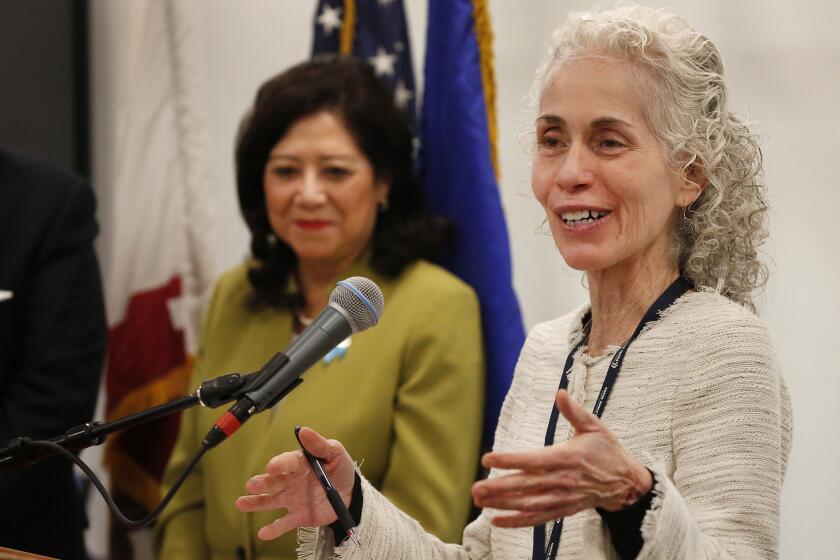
x: 212, y: 393
x: 23, y: 452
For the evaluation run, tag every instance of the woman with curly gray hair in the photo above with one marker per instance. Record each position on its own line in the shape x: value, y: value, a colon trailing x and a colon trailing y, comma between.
x: 649, y: 184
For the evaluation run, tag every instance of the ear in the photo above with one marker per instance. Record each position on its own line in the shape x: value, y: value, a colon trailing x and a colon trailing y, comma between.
x: 381, y: 189
x: 692, y: 185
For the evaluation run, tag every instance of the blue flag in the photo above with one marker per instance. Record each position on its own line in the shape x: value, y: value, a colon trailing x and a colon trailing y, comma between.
x: 457, y: 159
x: 374, y: 31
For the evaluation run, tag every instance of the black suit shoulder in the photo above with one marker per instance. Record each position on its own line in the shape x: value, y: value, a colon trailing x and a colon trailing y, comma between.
x: 37, y: 196
x: 52, y: 327
x: 52, y: 339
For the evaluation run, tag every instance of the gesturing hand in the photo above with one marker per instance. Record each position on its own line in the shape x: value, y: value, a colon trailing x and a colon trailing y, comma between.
x: 290, y: 483
x: 590, y: 470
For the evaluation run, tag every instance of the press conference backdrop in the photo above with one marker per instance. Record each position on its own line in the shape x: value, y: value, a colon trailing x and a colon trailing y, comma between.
x: 783, y: 64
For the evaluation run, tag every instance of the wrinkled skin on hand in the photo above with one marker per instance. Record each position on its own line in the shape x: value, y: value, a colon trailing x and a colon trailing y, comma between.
x: 289, y: 483
x: 590, y: 470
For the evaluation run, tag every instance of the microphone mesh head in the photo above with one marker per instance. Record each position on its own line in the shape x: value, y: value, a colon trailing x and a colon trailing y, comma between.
x: 360, y: 300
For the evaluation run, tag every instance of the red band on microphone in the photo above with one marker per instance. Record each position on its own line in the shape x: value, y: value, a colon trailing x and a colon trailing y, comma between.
x: 228, y: 423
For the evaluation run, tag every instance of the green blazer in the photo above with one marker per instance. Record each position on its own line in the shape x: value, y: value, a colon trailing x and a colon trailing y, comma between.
x: 406, y: 400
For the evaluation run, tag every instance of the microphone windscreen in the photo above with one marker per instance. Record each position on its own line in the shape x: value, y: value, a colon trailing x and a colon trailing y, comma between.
x: 360, y: 300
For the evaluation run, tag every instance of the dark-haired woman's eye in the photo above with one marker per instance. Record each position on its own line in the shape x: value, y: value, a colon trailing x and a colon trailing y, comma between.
x: 337, y: 173
x: 284, y: 171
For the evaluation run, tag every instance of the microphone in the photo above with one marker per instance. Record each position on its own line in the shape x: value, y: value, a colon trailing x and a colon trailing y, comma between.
x: 355, y: 305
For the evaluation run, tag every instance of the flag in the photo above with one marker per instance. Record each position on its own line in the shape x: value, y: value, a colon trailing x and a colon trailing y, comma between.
x: 157, y: 232
x: 374, y: 31
x: 458, y: 162
x: 457, y: 148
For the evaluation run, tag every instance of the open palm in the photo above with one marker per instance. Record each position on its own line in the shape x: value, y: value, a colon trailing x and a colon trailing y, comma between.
x: 290, y: 483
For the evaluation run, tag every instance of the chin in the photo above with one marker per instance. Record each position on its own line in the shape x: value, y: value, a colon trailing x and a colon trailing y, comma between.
x: 313, y: 252
x: 585, y: 261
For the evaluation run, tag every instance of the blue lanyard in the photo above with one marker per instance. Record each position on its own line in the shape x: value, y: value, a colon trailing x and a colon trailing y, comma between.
x: 668, y: 297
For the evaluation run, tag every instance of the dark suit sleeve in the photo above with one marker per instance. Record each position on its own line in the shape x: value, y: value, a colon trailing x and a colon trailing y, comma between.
x: 63, y: 330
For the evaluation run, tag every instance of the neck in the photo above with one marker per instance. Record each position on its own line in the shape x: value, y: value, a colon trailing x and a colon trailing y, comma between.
x: 620, y: 296
x: 316, y: 281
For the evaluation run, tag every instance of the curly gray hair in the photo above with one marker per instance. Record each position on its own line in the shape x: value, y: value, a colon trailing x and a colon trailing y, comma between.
x: 716, y: 244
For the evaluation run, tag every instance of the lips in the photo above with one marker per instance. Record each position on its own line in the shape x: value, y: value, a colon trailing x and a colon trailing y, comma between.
x: 312, y: 225
x: 583, y: 216
x: 579, y: 218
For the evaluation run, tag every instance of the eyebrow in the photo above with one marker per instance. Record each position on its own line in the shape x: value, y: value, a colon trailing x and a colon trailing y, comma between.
x: 552, y: 119
x: 600, y: 122
x: 323, y: 158
x: 608, y: 121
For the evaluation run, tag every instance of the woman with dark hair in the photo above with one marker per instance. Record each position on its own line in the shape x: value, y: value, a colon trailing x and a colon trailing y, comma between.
x: 326, y: 186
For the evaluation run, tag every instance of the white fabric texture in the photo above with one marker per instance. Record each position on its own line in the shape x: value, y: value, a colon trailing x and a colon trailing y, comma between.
x: 159, y: 214
x: 699, y: 400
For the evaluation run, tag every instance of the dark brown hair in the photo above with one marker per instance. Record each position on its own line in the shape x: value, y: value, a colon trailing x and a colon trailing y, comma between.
x: 348, y: 87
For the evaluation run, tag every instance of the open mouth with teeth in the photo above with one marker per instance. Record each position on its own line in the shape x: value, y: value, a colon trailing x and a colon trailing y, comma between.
x: 580, y: 217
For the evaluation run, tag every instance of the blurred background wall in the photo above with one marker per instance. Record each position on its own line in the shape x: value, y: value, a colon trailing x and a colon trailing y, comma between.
x: 783, y: 66
x: 44, y: 93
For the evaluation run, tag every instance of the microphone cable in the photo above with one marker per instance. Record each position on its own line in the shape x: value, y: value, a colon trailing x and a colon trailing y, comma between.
x: 121, y: 517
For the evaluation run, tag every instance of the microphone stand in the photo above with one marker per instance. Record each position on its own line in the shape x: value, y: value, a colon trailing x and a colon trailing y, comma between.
x: 212, y: 393
x: 22, y: 452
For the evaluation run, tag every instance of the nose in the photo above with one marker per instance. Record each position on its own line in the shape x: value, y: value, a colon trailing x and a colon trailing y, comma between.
x: 311, y: 191
x: 576, y: 168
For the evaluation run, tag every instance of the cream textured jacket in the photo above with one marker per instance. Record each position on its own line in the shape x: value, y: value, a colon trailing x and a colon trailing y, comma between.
x: 699, y: 400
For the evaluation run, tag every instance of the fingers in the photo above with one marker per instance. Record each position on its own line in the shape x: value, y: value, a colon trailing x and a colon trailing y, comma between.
x: 285, y: 464
x: 278, y: 527
x: 555, y: 504
x: 260, y: 502
x: 527, y: 519
x: 525, y: 483
x: 288, y: 463
x: 266, y: 484
x: 540, y: 459
x: 581, y: 419
x: 267, y: 493
x: 317, y: 444
x: 533, y: 492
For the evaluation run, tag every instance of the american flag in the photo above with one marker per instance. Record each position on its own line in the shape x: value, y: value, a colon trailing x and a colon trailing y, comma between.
x: 376, y: 32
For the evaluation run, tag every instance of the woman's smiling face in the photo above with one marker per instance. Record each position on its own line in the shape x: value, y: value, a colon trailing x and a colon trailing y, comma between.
x: 599, y: 172
x: 321, y: 191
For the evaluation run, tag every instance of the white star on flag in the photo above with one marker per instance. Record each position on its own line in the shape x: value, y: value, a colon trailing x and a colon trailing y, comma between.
x: 402, y: 95
x: 385, y: 2
x: 383, y: 63
x: 330, y: 19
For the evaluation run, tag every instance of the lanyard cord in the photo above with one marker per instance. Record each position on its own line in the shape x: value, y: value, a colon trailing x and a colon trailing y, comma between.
x: 663, y: 302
